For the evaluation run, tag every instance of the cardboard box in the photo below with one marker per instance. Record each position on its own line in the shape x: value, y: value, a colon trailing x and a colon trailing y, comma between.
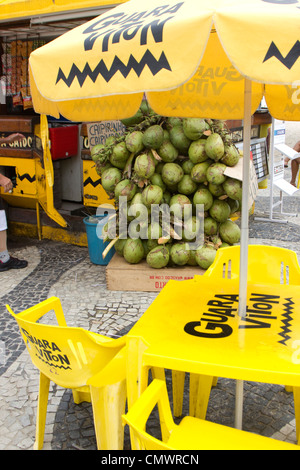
x: 122, y: 276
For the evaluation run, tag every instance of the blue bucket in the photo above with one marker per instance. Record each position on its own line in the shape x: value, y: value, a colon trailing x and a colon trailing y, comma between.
x: 95, y: 244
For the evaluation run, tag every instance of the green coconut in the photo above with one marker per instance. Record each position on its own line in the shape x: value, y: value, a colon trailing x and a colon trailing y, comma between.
x: 95, y: 151
x: 230, y: 232
x: 216, y: 190
x: 187, y: 166
x: 203, y: 196
x: 120, y: 155
x: 110, y: 178
x: 233, y: 189
x: 215, y: 173
x: 134, y: 142
x: 214, y: 147
x: 234, y: 205
x: 119, y: 246
x: 220, y: 210
x: 210, y: 226
x: 186, y: 185
x: 152, y: 194
x: 180, y: 206
x: 179, y: 139
x: 153, y: 137
x: 231, y: 155
x: 144, y: 165
x: 197, y: 152
x: 172, y: 173
x: 151, y: 244
x: 101, y: 167
x: 198, y: 173
x: 205, y: 256
x: 166, y: 135
x: 167, y: 151
x: 173, y: 122
x: 179, y: 253
x: 157, y: 180
x: 194, y: 127
x: 158, y: 257
x: 192, y: 258
x: 133, y: 250
x: 125, y: 188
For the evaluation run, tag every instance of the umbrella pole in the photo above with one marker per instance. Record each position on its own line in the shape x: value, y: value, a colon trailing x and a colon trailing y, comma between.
x: 244, y: 239
x: 245, y: 201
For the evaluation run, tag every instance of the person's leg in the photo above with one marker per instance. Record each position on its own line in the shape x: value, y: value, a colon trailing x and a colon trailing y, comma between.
x: 6, y: 261
x: 295, y: 169
x: 4, y: 256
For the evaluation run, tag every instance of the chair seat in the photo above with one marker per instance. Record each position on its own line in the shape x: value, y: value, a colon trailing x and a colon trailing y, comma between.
x: 185, y: 436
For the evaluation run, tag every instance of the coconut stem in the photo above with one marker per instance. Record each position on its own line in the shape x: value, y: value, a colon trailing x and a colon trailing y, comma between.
x: 128, y: 166
x: 109, y: 247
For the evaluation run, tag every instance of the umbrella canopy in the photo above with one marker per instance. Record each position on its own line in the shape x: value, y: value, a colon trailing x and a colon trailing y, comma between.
x: 190, y: 57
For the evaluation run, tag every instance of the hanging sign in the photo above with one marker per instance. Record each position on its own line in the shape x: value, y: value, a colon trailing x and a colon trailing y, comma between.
x: 98, y: 132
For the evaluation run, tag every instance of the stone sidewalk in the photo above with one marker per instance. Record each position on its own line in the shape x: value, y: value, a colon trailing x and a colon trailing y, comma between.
x: 66, y: 271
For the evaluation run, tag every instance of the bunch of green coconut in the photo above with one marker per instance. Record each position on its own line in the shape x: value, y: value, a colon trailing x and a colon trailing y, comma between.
x: 174, y: 161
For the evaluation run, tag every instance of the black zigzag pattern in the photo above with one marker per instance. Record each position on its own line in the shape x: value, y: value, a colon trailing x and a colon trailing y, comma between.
x: 291, y: 57
x: 287, y: 319
x: 51, y: 364
x: 31, y: 179
x: 148, y: 59
x: 90, y: 181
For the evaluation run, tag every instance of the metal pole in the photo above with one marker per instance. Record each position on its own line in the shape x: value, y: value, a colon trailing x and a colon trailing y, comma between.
x: 239, y: 400
x: 271, y: 161
x: 244, y: 239
x: 245, y: 202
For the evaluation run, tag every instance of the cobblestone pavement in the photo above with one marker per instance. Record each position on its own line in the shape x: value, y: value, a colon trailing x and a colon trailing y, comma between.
x: 66, y: 271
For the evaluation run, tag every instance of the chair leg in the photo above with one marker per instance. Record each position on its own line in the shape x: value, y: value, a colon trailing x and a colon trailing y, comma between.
x: 200, y: 388
x: 108, y: 404
x: 178, y: 379
x: 194, y: 384
x: 215, y: 381
x: 41, y: 412
x: 296, y: 391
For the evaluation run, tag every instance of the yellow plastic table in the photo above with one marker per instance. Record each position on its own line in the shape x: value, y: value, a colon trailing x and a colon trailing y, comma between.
x: 194, y: 326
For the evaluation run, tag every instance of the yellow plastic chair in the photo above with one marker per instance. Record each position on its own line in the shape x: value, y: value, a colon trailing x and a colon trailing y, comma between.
x: 266, y: 264
x: 191, y: 433
x: 92, y: 365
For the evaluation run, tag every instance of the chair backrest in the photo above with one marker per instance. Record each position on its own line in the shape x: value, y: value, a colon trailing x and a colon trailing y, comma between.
x: 69, y: 356
x: 266, y: 264
x: 137, y: 416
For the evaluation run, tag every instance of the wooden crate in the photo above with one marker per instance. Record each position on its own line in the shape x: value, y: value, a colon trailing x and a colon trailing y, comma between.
x: 121, y: 276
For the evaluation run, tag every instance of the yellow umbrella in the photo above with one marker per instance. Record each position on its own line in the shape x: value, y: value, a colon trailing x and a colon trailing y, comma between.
x: 192, y: 58
x: 198, y: 51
